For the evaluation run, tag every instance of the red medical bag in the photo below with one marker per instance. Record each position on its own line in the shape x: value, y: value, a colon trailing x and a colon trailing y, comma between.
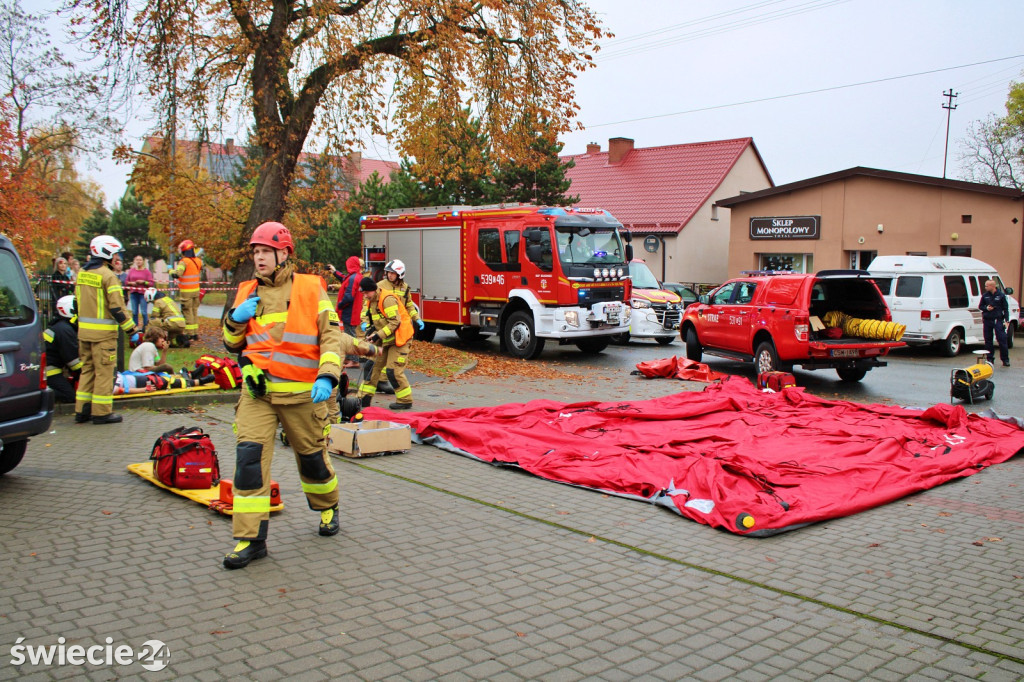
x: 186, y: 459
x: 776, y: 381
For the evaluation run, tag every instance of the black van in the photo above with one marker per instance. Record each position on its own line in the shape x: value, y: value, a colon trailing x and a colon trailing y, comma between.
x: 26, y: 403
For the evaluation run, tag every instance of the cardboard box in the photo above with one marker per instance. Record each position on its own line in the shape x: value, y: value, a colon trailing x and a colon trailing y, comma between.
x: 369, y: 438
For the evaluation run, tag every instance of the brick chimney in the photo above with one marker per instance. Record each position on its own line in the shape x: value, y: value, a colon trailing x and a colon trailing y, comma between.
x: 229, y: 146
x: 356, y: 159
x: 618, y: 148
x: 593, y: 148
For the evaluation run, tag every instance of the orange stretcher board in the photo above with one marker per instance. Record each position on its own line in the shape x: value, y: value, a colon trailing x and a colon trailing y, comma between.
x: 208, y: 497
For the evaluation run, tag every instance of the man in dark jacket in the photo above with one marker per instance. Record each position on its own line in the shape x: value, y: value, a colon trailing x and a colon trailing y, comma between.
x: 995, y: 313
x: 63, y: 364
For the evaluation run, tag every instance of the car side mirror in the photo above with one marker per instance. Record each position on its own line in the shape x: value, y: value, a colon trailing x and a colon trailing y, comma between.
x: 629, y: 252
x: 1009, y: 291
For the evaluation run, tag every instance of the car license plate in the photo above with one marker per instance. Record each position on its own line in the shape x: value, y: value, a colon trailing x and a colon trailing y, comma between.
x: 846, y: 353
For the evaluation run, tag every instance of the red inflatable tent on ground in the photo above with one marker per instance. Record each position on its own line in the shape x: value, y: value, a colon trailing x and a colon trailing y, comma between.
x: 732, y: 457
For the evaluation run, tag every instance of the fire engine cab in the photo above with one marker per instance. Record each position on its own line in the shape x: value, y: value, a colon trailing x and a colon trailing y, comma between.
x: 526, y: 273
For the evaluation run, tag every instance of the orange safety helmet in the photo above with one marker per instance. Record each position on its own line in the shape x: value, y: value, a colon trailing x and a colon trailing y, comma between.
x: 186, y: 245
x: 274, y: 235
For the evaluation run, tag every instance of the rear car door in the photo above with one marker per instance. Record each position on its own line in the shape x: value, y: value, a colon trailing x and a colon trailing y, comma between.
x: 736, y: 318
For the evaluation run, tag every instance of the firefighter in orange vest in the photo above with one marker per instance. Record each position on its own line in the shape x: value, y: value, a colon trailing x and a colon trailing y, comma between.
x: 287, y: 331
x: 188, y: 272
x: 392, y: 328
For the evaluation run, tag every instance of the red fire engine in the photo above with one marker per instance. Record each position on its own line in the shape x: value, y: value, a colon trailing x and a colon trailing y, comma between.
x: 526, y: 273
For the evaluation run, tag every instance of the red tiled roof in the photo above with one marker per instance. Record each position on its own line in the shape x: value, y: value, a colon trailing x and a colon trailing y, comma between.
x: 215, y: 149
x: 655, y: 189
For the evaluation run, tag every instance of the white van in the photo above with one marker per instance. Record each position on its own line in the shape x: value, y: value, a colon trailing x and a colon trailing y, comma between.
x: 937, y: 298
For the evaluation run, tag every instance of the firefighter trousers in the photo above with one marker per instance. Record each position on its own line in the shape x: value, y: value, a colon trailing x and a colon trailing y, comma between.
x: 96, y: 383
x: 190, y: 309
x: 305, y: 425
x: 393, y: 361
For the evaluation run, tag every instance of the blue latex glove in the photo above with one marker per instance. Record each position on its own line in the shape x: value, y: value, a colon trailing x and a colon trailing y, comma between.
x: 322, y: 388
x: 136, y: 337
x: 420, y: 325
x: 246, y: 310
x: 365, y: 326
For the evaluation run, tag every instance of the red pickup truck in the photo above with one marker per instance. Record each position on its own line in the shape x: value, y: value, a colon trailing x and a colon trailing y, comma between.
x: 767, y: 318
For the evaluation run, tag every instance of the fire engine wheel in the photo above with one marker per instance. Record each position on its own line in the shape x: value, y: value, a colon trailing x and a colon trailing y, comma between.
x: 427, y: 333
x: 693, y: 349
x: 765, y: 358
x: 953, y: 343
x: 592, y: 346
x: 520, y: 338
x: 470, y: 334
x: 850, y: 374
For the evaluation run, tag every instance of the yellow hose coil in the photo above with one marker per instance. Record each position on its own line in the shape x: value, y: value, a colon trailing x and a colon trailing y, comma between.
x: 878, y: 330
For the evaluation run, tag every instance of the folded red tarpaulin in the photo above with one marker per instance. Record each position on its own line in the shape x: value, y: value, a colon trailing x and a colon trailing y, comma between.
x: 678, y: 368
x: 731, y: 456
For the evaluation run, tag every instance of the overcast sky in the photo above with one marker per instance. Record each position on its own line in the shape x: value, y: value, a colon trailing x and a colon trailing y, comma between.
x: 678, y: 70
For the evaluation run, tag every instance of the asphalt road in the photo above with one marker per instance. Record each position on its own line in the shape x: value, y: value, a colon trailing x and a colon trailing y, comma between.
x: 915, y: 377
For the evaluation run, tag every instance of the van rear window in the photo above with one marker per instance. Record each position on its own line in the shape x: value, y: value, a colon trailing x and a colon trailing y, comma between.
x: 956, y: 291
x: 909, y: 286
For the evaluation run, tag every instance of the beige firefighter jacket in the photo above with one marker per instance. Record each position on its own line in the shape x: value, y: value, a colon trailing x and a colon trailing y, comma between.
x: 99, y: 302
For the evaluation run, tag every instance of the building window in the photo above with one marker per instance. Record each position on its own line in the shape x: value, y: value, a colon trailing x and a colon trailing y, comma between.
x: 860, y: 260
x: 965, y: 219
x: 714, y: 211
x: 958, y: 251
x: 917, y: 253
x: 786, y: 262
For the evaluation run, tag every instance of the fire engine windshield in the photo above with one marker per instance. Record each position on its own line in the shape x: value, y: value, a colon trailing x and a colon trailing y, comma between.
x: 588, y: 246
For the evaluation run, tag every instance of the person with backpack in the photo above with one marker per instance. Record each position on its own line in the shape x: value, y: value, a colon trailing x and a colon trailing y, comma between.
x: 287, y: 332
x: 350, y: 300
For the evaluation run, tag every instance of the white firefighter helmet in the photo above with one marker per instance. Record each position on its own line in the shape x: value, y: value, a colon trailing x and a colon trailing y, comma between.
x: 150, y: 294
x: 66, y: 306
x: 105, y: 246
x: 396, y: 266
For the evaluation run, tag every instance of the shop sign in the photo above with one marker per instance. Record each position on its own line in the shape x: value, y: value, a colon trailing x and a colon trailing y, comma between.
x: 788, y: 227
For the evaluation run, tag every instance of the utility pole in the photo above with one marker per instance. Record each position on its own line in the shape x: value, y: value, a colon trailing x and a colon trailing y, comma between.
x: 949, y: 107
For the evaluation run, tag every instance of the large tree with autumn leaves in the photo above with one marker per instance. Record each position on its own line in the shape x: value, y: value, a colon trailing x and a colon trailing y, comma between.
x: 337, y: 71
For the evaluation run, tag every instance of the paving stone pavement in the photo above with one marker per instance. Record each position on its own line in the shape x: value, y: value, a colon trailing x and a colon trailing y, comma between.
x: 450, y: 569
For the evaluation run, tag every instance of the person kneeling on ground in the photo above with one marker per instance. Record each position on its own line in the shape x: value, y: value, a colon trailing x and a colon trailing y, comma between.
x: 147, y: 357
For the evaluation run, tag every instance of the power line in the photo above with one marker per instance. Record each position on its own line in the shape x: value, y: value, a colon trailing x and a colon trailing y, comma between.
x: 805, y: 92
x: 774, y: 15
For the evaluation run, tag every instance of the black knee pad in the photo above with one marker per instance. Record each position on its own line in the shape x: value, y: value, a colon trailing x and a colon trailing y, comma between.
x: 391, y: 378
x: 248, y: 467
x: 313, y: 466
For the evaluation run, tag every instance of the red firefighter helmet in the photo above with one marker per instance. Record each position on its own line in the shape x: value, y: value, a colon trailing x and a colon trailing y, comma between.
x: 274, y: 235
x: 186, y: 244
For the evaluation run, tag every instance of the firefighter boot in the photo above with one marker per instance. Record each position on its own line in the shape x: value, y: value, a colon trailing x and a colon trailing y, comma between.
x: 366, y: 400
x: 244, y: 552
x: 85, y: 415
x: 400, y: 406
x: 329, y: 524
x: 108, y: 419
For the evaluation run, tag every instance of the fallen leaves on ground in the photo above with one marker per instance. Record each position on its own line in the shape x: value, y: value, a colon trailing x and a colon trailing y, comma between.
x: 436, y: 359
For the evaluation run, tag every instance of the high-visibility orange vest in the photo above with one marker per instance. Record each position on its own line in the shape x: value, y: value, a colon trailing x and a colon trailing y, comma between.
x: 297, y: 356
x: 189, y: 280
x: 404, y: 331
